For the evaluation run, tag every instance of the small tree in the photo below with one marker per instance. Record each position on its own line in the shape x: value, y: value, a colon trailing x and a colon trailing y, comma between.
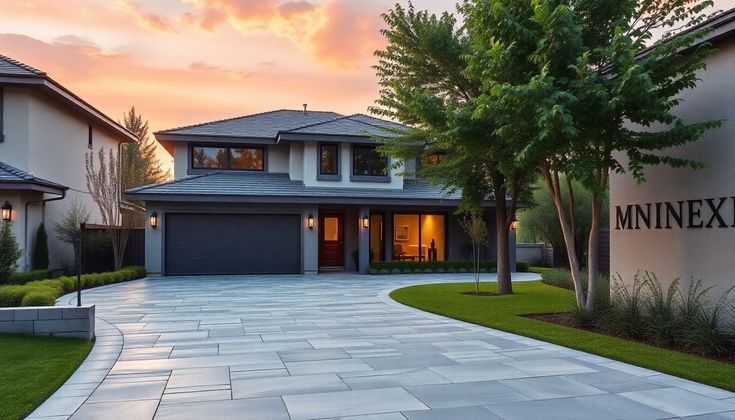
x: 104, y: 186
x: 40, y: 249
x: 476, y: 229
x: 69, y: 228
x: 140, y: 165
x: 9, y: 251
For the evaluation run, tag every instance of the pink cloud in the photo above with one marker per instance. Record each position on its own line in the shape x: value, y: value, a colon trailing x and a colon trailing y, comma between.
x: 144, y: 19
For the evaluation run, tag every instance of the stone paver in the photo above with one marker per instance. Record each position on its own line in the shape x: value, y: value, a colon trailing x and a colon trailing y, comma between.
x: 336, y: 346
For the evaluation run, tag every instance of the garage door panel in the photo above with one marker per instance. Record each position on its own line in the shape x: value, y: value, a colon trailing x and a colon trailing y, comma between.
x: 232, y: 244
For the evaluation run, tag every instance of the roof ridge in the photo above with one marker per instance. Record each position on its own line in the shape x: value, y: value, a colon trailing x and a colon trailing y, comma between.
x: 235, y: 118
x: 365, y: 122
x: 374, y: 118
x: 341, y: 117
x: 174, y: 181
x: 22, y: 65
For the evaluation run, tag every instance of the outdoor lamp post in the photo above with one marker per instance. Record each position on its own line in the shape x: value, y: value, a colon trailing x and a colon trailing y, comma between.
x: 7, y: 211
x: 154, y: 220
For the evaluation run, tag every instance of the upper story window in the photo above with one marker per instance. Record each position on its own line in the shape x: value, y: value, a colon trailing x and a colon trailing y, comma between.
x: 366, y: 161
x: 329, y: 159
x: 249, y: 158
x: 90, y: 137
x: 433, y: 159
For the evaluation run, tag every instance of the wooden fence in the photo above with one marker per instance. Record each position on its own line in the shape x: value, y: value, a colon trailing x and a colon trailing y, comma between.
x: 97, y: 256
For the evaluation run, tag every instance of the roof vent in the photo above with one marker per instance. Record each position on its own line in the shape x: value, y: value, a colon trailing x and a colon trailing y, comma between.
x: 305, y: 105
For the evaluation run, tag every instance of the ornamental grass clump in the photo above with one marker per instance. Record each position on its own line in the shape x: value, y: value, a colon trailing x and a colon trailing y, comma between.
x: 682, y: 318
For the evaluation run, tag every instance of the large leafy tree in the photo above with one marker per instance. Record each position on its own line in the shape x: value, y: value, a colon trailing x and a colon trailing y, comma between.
x: 140, y: 165
x: 425, y: 84
x: 602, y: 100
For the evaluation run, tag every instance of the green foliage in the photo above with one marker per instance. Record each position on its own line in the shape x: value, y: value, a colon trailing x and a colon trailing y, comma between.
x: 50, y: 289
x: 141, y: 165
x: 400, y: 267
x: 26, y: 276
x: 9, y: 251
x: 539, y: 222
x: 69, y: 228
x: 40, y: 249
x: 40, y: 297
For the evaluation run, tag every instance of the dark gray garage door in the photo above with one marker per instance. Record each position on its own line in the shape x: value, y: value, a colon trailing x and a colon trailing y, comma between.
x: 232, y: 244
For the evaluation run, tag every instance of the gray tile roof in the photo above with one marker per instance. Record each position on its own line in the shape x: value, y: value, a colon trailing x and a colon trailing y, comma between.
x: 11, y: 174
x: 243, y: 184
x: 266, y: 124
x: 285, y: 121
x: 11, y: 67
x: 344, y: 126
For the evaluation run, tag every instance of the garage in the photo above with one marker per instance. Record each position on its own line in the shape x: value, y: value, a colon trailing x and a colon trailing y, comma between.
x: 198, y: 244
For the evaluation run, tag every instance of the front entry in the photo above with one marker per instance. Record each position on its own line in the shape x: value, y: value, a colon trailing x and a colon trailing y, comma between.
x: 331, y: 241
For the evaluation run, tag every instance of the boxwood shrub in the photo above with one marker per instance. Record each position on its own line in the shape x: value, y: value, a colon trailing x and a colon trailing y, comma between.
x: 45, y: 292
x: 25, y: 277
x: 401, y: 267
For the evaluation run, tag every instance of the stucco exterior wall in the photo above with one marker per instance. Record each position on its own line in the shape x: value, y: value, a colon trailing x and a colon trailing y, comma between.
x: 278, y: 160
x: 686, y: 252
x: 311, y: 169
x: 296, y: 162
x: 181, y: 160
x: 50, y: 142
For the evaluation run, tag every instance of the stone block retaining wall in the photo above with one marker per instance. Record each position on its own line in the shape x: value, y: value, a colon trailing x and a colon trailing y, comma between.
x: 57, y: 321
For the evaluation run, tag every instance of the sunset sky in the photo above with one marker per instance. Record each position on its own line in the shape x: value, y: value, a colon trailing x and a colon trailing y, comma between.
x: 188, y: 61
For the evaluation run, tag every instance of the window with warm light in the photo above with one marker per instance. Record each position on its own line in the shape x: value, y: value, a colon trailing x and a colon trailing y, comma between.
x: 329, y: 159
x: 250, y: 158
x: 419, y: 237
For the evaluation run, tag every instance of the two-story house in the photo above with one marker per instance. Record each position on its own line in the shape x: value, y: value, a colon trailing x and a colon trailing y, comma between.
x: 45, y: 133
x: 293, y: 191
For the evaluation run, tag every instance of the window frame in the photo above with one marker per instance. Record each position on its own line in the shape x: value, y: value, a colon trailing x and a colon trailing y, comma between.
x: 371, y: 177
x: 229, y: 146
x: 328, y: 177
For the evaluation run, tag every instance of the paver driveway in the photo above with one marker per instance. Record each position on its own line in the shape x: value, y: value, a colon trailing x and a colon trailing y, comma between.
x: 315, y: 347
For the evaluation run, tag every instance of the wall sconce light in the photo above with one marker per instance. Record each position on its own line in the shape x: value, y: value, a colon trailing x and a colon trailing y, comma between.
x: 365, y: 222
x: 514, y: 224
x: 310, y: 222
x: 154, y: 220
x: 7, y: 211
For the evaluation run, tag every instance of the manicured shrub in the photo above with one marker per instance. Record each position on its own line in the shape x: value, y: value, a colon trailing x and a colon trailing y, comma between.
x: 40, y: 249
x: 9, y: 251
x: 40, y: 297
x: 45, y: 292
x: 12, y: 295
x: 522, y: 266
x: 25, y: 277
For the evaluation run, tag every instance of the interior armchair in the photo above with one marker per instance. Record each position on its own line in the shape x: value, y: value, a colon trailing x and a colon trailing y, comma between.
x: 400, y: 255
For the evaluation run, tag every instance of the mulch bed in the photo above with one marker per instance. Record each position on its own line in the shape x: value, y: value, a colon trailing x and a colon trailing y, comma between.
x: 563, y: 319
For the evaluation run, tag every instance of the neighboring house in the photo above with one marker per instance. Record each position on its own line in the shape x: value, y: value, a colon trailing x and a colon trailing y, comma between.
x: 293, y: 192
x: 45, y: 132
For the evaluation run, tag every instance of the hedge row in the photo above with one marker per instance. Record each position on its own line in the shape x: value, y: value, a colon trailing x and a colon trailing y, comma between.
x: 405, y: 267
x: 45, y: 292
x: 25, y: 277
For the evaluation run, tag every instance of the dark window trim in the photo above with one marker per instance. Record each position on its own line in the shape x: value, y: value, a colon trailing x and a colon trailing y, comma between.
x: 419, y: 214
x: 90, y: 137
x: 198, y: 170
x: 367, y: 178
x: 381, y: 257
x: 328, y: 177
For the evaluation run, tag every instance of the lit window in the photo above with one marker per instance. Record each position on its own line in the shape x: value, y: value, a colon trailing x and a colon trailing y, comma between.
x: 235, y: 158
x: 328, y: 159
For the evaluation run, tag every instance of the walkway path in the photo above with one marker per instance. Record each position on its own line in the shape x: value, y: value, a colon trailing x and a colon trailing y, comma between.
x: 323, y: 347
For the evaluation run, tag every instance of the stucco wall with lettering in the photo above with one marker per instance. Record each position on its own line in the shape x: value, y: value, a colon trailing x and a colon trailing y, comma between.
x: 645, y: 235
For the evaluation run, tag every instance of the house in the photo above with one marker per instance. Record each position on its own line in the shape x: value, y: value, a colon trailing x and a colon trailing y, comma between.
x: 293, y: 191
x: 45, y: 133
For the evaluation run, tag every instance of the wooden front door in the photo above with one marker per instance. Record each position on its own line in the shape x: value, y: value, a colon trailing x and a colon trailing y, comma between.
x: 331, y: 240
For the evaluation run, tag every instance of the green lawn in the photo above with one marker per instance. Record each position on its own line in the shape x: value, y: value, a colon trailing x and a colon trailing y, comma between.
x: 503, y: 313
x: 32, y: 368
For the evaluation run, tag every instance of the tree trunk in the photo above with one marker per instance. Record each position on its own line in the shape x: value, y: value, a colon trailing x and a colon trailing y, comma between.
x: 476, y: 266
x: 592, y: 248
x: 502, y: 225
x: 551, y: 178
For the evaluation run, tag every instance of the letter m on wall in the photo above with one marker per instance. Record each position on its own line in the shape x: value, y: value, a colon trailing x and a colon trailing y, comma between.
x: 623, y: 220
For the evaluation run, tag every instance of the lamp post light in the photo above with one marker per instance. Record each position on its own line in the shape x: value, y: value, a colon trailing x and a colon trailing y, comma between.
x: 7, y: 211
